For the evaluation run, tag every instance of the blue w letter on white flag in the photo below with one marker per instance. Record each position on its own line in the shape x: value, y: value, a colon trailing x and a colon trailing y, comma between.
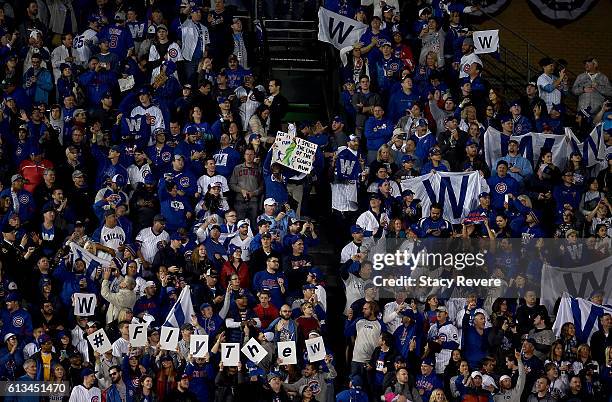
x: 582, y: 313
x: 181, y: 311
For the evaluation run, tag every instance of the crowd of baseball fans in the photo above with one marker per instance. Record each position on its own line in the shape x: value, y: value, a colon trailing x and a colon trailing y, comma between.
x: 138, y: 131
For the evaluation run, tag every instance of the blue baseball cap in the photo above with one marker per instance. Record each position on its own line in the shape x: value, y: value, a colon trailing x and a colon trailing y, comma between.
x: 421, y: 123
x: 119, y: 180
x: 87, y: 372
x: 504, y: 118
x: 309, y: 286
x: 316, y: 272
x: 515, y: 102
x: 44, y: 338
x: 149, y: 179
x: 483, y: 194
x: 12, y: 297
x: 176, y: 236
x: 338, y: 119
x: 558, y: 107
x: 428, y: 361
x: 191, y: 130
x: 144, y: 90
x: 356, y: 229
x: 407, y: 192
x: 356, y: 381
x: 407, y: 158
x: 471, y: 142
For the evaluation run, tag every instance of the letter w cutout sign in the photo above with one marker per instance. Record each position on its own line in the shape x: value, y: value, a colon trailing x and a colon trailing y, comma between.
x: 486, y: 41
x: 338, y: 30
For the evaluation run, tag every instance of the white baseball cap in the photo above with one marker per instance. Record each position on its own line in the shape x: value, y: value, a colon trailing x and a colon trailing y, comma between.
x: 269, y: 201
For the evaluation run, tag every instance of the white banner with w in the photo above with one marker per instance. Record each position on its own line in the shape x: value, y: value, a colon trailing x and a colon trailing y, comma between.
x: 339, y: 30
x: 582, y: 313
x: 486, y: 41
x: 457, y: 192
x: 577, y: 281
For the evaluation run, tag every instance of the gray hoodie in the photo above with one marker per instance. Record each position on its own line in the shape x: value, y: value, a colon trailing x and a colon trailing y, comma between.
x: 513, y: 394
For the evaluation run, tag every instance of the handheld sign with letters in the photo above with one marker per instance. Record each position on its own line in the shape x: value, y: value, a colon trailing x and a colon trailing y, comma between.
x: 230, y: 354
x: 138, y: 334
x: 84, y: 304
x: 198, y: 345
x: 339, y: 30
x: 99, y: 341
x: 254, y: 351
x: 486, y: 41
x: 287, y: 352
x: 168, y: 338
x: 316, y: 349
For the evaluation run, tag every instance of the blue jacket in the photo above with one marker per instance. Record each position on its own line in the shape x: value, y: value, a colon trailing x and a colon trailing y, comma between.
x: 201, y: 381
x: 111, y: 394
x: 399, y: 102
x: 424, y: 144
x: 500, y: 186
x: 19, y: 322
x: 377, y: 132
x: 96, y: 84
x: 404, y: 334
x: 10, y: 364
x: 226, y: 160
x: 40, y: 90
x: 27, y: 207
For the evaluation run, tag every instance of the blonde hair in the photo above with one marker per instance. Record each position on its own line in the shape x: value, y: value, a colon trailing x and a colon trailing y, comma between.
x: 382, y: 148
x: 464, y: 112
x: 435, y: 393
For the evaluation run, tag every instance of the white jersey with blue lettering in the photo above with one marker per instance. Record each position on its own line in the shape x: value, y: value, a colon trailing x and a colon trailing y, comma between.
x: 82, y: 394
x: 157, y: 118
x: 81, y: 46
x: 112, y: 237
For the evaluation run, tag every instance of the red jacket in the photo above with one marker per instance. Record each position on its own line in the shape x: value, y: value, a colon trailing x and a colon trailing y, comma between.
x: 266, y: 315
x: 33, y: 172
x: 243, y: 273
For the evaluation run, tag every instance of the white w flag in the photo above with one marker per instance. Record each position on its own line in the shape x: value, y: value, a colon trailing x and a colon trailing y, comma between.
x: 91, y: 261
x: 457, y: 192
x: 181, y: 311
x: 486, y: 41
x: 578, y: 281
x: 582, y: 313
x: 339, y: 30
x: 593, y: 149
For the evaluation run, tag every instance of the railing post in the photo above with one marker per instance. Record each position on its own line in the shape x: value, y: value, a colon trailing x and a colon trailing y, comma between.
x: 528, y: 63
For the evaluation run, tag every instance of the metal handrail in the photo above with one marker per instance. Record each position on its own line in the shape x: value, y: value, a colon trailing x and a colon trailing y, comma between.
x: 529, y: 46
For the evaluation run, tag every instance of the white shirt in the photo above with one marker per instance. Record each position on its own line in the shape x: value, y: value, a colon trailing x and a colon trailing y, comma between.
x: 243, y: 244
x: 80, y: 44
x: 466, y: 62
x: 58, y: 56
x: 173, y: 53
x: 190, y: 31
x: 157, y: 118
x: 548, y: 97
x: 150, y: 242
x: 82, y: 394
x: 391, y: 318
x: 205, y: 180
x: 137, y: 174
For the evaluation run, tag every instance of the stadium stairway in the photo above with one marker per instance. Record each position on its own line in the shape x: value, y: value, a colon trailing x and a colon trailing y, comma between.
x: 294, y: 55
x: 511, y: 69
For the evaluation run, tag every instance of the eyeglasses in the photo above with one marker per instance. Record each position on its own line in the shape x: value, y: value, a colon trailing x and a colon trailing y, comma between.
x: 285, y: 311
x: 113, y: 374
